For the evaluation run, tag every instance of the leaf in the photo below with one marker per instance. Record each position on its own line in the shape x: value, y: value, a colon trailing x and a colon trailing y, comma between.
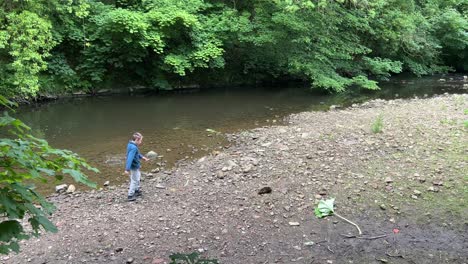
x: 192, y: 258
x: 78, y: 176
x: 9, y: 229
x: 325, y: 208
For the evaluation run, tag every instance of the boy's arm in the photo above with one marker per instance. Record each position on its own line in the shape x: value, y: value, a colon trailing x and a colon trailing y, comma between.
x: 130, y: 155
x: 143, y: 157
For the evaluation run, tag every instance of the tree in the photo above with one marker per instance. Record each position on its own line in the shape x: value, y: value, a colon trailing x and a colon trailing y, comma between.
x: 56, y: 46
x: 24, y: 158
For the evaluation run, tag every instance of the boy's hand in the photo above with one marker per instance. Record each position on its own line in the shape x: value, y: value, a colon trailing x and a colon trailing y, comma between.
x: 126, y: 172
x: 145, y: 159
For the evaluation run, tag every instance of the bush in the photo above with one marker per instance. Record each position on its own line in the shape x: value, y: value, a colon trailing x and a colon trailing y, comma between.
x: 26, y: 158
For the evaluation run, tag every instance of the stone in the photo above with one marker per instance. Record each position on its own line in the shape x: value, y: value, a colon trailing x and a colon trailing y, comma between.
x: 61, y: 188
x: 106, y: 183
x: 309, y: 243
x: 383, y: 207
x: 151, y: 155
x: 247, y: 168
x: 71, y: 188
x: 129, y: 260
x: 119, y: 249
x: 264, y: 190
x: 323, y: 192
x: 388, y: 180
x: 294, y: 224
x: 220, y: 175
x: 416, y: 192
x: 160, y: 186
x: 438, y: 183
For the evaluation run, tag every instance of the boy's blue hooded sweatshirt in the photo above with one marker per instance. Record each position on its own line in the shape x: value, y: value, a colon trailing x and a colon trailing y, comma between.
x: 133, y: 157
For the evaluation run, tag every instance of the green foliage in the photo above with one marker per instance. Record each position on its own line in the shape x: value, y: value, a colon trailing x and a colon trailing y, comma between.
x: 377, y: 125
x: 55, y: 45
x: 192, y: 258
x: 26, y: 158
x: 29, y: 41
x: 325, y: 208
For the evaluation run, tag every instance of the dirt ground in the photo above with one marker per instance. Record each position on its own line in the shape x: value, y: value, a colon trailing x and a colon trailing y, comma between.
x: 406, y: 187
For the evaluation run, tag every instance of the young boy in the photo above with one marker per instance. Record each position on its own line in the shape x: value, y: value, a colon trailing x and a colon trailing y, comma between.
x: 132, y: 166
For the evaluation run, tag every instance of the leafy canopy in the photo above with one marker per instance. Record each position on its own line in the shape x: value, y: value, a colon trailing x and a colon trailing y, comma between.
x: 55, y: 46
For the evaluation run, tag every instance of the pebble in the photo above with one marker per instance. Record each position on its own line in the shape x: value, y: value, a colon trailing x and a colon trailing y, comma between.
x: 388, y: 180
x: 383, y: 207
x: 129, y: 260
x: 60, y: 188
x: 71, y: 189
x: 119, y: 249
x: 294, y: 223
x: 438, y: 183
x: 264, y: 190
x: 220, y: 175
x: 106, y: 183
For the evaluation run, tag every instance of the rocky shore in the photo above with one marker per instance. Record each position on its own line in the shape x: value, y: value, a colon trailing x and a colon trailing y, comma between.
x: 404, y: 184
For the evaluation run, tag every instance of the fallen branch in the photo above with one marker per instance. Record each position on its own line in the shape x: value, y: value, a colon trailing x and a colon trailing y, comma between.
x: 360, y: 237
x: 349, y: 221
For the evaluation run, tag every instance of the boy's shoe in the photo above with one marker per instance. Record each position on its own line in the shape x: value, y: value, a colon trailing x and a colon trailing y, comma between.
x: 138, y: 193
x: 131, y: 198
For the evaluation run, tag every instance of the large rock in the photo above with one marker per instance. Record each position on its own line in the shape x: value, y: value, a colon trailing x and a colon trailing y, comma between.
x: 151, y: 155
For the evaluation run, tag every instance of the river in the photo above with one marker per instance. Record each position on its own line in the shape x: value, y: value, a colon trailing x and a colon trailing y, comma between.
x: 175, y: 125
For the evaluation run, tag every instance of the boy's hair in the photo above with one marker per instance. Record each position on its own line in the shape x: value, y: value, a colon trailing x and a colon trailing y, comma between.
x: 136, y: 136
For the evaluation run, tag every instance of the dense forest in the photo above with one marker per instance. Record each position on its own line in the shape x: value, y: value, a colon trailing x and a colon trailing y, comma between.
x: 62, y: 46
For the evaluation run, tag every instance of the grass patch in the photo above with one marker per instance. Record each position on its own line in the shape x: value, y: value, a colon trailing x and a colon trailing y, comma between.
x: 377, y: 126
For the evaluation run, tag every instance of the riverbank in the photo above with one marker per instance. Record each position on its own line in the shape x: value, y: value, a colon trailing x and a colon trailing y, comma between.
x: 405, y: 185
